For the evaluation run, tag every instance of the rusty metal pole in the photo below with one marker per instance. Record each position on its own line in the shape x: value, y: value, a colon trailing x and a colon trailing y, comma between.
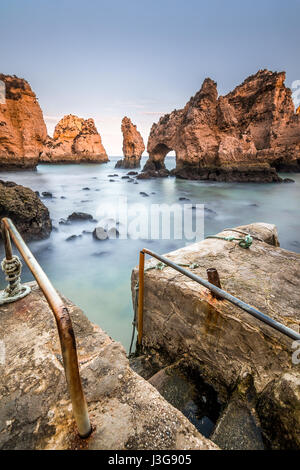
x: 7, y: 242
x: 213, y: 278
x: 65, y: 331
x: 141, y: 296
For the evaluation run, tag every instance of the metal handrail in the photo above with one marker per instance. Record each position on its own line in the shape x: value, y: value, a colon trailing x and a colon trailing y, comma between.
x: 63, y: 322
x: 220, y: 293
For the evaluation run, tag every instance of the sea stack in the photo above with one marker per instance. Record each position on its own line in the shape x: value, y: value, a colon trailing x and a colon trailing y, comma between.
x: 75, y: 140
x: 22, y: 127
x: 133, y: 145
x: 246, y: 135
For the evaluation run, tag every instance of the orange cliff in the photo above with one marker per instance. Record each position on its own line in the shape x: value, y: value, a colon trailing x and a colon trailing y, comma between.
x: 23, y: 133
x: 75, y: 140
x: 247, y: 135
x: 133, y: 145
x: 22, y: 127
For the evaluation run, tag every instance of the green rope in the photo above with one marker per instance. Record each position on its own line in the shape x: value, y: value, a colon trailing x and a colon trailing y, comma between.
x: 244, y: 242
x: 160, y: 266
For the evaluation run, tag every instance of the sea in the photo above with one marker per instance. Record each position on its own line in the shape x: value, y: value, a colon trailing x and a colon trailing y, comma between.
x: 95, y: 274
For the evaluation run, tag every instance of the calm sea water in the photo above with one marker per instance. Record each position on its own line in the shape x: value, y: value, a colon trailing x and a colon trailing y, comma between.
x: 96, y: 275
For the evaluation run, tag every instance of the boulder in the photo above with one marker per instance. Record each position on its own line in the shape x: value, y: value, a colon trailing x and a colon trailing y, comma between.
x: 25, y: 209
x: 79, y: 216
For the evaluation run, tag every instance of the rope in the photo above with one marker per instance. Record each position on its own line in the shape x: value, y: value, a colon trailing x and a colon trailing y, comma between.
x: 14, y: 291
x: 136, y: 288
x: 12, y: 269
x: 160, y: 266
x: 244, y: 242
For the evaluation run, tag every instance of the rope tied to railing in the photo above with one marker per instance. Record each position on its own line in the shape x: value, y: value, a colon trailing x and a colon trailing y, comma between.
x: 134, y: 321
x: 15, y: 290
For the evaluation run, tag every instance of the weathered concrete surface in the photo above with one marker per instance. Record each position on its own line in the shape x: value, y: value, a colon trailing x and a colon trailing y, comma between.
x: 279, y: 410
x: 126, y: 412
x: 238, y: 427
x: 183, y: 320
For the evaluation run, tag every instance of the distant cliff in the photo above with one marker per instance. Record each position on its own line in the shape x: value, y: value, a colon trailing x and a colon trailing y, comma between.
x: 75, y: 140
x: 133, y: 145
x: 244, y: 136
x: 23, y: 133
x: 22, y: 127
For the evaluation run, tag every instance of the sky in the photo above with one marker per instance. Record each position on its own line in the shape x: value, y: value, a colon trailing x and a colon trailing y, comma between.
x: 109, y: 58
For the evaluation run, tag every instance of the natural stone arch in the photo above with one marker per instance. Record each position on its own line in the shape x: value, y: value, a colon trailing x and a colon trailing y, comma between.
x: 157, y: 157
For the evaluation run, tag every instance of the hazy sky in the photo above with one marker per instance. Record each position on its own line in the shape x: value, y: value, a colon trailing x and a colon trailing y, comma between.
x: 106, y: 59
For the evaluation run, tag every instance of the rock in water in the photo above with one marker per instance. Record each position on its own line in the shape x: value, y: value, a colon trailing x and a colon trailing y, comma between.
x: 133, y: 145
x: 244, y: 136
x: 100, y: 233
x: 22, y: 127
x: 25, y: 209
x: 75, y: 140
x: 79, y: 216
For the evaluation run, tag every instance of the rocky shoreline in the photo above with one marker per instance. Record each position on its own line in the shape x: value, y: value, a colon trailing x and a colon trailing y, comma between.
x: 246, y: 136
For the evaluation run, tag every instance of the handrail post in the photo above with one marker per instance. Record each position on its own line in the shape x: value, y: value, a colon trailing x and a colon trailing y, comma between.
x: 141, y: 297
x: 7, y: 242
x: 64, y: 326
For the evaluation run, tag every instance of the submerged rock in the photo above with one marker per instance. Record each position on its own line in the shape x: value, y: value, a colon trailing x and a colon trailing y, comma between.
x: 26, y: 210
x: 72, y: 238
x: 47, y: 194
x: 78, y: 216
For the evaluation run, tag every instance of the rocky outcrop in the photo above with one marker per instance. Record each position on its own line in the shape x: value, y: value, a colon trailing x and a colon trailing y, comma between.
x: 27, y: 212
x: 23, y: 133
x: 244, y: 136
x: 126, y: 412
x: 223, y: 343
x: 133, y: 145
x: 22, y: 127
x: 75, y: 140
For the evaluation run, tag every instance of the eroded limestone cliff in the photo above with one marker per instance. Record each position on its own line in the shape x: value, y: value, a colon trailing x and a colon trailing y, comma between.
x: 23, y: 133
x: 244, y: 136
x: 75, y: 140
x: 133, y: 145
x: 22, y: 127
